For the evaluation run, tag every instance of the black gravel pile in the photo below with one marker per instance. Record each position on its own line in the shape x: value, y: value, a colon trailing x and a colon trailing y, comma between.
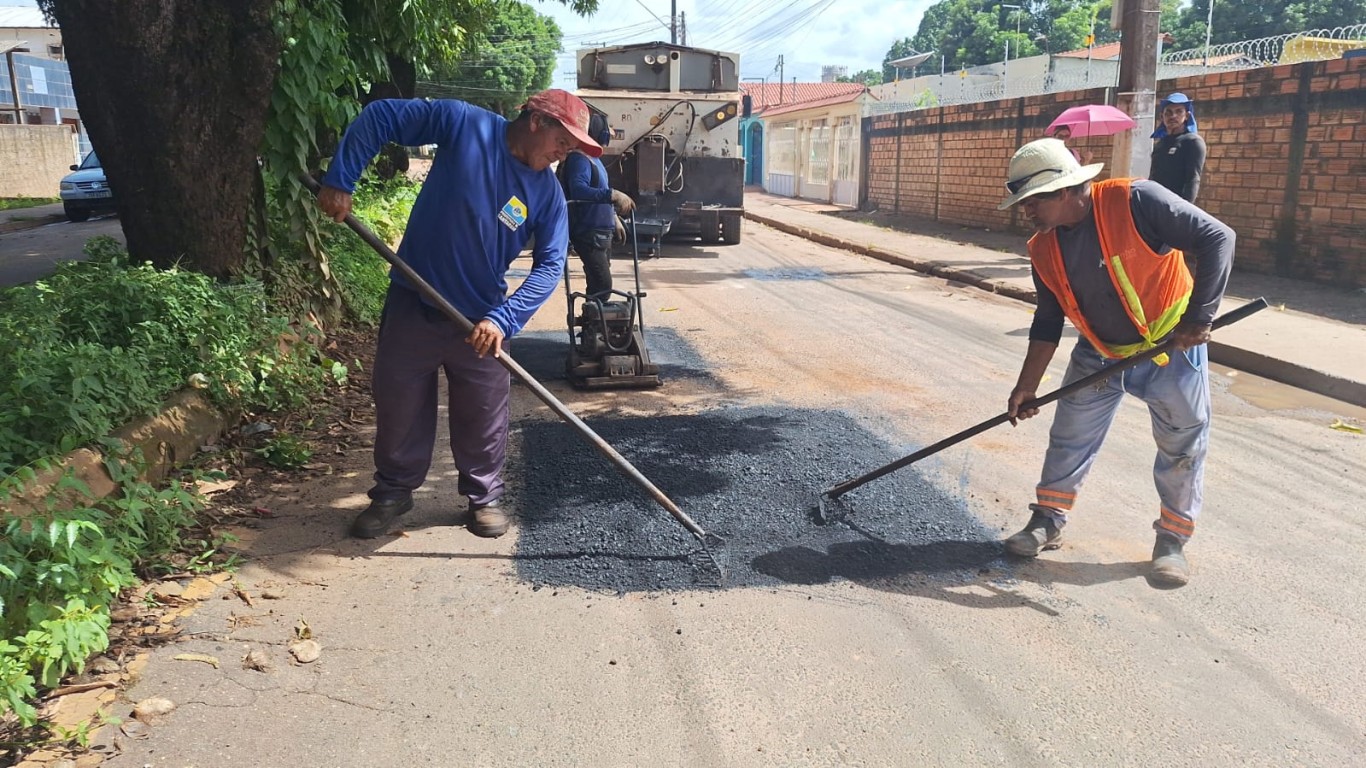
x: 751, y: 475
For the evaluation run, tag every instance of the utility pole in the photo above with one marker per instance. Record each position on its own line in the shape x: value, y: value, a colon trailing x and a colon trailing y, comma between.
x: 781, y: 85
x: 683, y: 27
x: 673, y: 22
x: 1137, y: 94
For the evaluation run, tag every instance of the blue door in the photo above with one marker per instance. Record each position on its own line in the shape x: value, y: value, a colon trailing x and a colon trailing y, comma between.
x: 754, y: 155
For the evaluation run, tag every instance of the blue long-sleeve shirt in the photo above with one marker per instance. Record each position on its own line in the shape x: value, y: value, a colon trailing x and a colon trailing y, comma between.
x: 590, y: 205
x: 477, y: 209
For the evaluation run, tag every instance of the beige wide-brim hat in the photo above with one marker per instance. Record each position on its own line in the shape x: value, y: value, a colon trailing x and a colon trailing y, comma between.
x: 1045, y: 165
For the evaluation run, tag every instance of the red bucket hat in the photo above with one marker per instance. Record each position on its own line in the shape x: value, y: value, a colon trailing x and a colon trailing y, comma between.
x: 570, y: 111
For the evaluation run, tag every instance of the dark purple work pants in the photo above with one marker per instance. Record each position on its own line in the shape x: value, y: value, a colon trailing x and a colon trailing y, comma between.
x: 415, y: 341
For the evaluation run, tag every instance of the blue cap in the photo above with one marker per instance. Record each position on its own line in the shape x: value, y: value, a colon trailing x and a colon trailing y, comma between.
x: 1179, y: 99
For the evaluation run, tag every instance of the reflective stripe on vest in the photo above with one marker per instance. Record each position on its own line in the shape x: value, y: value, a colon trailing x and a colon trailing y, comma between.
x: 1153, y: 288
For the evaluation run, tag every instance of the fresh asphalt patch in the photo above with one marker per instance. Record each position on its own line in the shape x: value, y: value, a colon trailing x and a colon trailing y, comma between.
x: 751, y: 475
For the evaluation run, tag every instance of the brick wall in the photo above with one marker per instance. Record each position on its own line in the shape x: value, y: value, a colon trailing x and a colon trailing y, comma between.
x: 1284, y: 168
x: 34, y: 158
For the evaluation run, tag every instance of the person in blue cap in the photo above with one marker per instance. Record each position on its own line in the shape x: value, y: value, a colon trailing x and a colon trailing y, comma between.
x: 1179, y: 152
x: 593, y: 209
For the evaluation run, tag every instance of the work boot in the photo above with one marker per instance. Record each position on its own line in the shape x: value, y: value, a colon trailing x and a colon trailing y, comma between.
x: 1169, y: 563
x: 377, y: 517
x: 488, y: 520
x: 1041, y: 534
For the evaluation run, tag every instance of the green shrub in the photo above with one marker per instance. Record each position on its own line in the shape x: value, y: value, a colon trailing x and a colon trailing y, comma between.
x: 362, y: 273
x: 61, y: 569
x: 103, y: 341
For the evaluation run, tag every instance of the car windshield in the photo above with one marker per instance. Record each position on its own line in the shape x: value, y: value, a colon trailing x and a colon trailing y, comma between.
x: 90, y: 161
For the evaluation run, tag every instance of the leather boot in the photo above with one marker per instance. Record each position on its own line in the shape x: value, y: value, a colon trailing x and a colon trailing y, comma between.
x: 488, y: 520
x: 1170, y: 568
x: 377, y: 517
x: 1041, y: 534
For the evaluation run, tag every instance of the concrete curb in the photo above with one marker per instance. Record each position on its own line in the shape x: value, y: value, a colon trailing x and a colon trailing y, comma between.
x: 6, y: 227
x: 165, y: 439
x: 934, y: 268
x: 1244, y: 360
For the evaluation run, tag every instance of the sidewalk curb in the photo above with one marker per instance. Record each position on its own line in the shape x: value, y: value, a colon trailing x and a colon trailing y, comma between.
x: 165, y: 440
x: 929, y: 267
x: 7, y: 227
x: 1244, y: 360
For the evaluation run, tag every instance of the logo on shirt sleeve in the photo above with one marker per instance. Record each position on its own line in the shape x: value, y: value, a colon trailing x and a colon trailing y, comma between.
x: 513, y: 214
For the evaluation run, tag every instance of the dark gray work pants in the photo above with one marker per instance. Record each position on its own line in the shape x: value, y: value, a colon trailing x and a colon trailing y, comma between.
x: 415, y: 341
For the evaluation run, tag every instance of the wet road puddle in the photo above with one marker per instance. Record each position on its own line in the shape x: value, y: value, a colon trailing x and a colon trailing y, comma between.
x: 787, y: 273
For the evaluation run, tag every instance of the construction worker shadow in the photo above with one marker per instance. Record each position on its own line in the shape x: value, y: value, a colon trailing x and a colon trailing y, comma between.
x: 967, y: 573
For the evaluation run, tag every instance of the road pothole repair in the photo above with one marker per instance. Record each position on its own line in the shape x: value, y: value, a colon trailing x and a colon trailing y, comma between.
x: 751, y: 475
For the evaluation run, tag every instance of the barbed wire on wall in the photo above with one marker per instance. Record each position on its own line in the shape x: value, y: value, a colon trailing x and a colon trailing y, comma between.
x: 1312, y: 45
x: 995, y: 81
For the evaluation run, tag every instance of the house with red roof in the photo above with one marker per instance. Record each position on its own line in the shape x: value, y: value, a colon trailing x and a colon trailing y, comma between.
x: 803, y: 139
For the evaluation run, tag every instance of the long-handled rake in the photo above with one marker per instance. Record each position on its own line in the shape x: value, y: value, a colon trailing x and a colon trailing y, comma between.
x: 825, y: 503
x: 713, y: 552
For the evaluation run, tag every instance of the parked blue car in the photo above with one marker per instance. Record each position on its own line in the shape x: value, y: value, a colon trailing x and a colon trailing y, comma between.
x: 86, y: 191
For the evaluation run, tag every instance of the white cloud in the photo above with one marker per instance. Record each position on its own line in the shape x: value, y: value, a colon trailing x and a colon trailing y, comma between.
x: 806, y: 33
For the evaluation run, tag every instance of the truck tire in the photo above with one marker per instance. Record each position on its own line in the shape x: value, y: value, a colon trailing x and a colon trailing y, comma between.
x: 710, y: 231
x: 75, y: 213
x: 730, y: 228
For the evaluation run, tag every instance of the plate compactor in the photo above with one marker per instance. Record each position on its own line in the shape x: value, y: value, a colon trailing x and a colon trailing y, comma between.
x: 607, y: 336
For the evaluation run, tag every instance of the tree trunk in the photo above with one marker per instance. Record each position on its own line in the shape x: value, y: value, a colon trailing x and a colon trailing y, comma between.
x: 174, y: 94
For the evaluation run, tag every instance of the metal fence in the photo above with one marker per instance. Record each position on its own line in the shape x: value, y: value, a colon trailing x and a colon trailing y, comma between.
x: 1036, y: 75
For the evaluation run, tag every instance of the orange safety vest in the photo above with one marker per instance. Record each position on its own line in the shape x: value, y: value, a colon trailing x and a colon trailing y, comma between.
x: 1154, y: 288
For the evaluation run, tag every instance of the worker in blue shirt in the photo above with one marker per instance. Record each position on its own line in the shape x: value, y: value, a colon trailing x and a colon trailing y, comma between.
x: 489, y: 191
x: 593, y: 209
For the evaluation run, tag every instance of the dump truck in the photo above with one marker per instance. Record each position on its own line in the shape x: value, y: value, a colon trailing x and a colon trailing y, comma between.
x: 675, y: 117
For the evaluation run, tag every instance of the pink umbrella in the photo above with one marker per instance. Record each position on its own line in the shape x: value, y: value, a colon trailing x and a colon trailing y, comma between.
x: 1092, y: 120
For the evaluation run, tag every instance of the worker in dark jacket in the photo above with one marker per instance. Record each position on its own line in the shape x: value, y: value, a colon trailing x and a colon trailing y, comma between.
x: 593, y: 209
x: 1179, y: 152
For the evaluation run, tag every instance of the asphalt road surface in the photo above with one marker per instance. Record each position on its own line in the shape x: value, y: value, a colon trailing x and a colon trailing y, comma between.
x: 902, y: 637
x: 32, y: 254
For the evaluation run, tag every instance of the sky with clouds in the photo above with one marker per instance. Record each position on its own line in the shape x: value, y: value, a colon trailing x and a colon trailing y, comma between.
x: 806, y: 33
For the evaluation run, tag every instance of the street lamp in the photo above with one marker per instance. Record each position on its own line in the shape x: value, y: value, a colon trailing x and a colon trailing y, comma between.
x: 1017, y: 25
x: 1005, y: 64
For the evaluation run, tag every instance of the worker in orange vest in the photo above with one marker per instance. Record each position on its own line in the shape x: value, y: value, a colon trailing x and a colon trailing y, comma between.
x: 1111, y: 257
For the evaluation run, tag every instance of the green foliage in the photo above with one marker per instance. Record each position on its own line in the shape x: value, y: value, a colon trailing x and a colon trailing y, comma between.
x: 285, y: 452
x: 103, y: 341
x: 13, y: 203
x: 971, y: 32
x: 1254, y: 19
x: 511, y: 57
x: 362, y: 275
x: 868, y: 77
x: 60, y: 571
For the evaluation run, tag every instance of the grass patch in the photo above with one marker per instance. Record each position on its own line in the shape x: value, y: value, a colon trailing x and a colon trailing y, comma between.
x: 13, y: 203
